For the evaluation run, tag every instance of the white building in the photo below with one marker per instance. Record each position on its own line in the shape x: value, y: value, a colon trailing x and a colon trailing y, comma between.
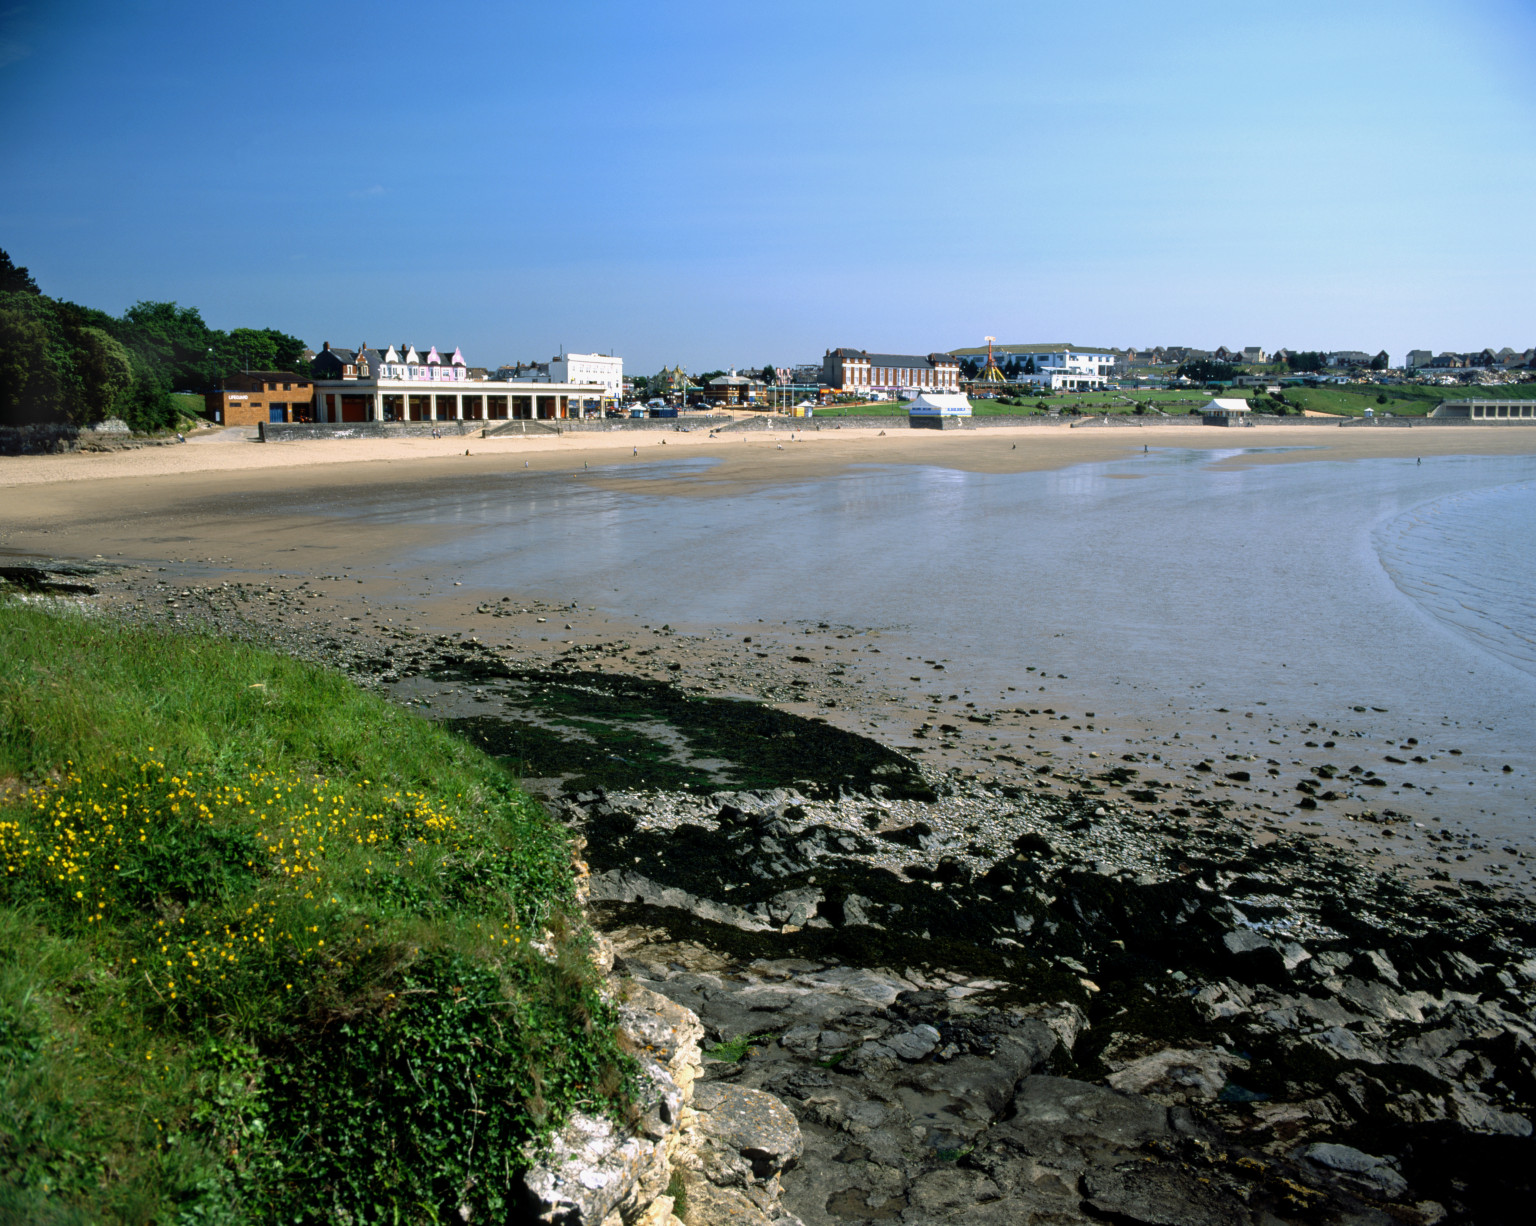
x: 1068, y: 370
x: 583, y: 368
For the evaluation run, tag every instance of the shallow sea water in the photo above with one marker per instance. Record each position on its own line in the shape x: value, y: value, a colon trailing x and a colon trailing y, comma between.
x: 1159, y: 588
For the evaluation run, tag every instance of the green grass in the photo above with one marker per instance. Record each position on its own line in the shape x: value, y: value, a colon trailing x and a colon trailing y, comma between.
x: 1351, y: 400
x: 734, y: 1051
x: 188, y: 404
x: 1407, y: 400
x: 266, y: 945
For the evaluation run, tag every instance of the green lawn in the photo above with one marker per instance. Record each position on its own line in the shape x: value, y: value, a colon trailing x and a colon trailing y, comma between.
x: 1405, y: 401
x: 267, y: 944
x: 1351, y: 400
x: 188, y: 404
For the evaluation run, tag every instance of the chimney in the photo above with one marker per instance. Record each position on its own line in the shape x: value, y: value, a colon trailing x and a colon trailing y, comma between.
x: 326, y: 347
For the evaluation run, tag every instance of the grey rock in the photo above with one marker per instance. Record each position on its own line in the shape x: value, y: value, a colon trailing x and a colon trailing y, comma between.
x: 750, y: 1137
x: 1368, y: 1169
x: 857, y: 912
x: 622, y: 885
x: 1244, y: 941
x: 914, y: 1044
x: 1158, y: 1195
x: 794, y: 906
x: 1078, y: 1109
x: 1175, y: 1074
x: 949, y: 1189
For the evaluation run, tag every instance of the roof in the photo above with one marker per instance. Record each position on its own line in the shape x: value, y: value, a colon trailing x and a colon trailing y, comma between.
x: 905, y: 361
x: 1228, y: 406
x: 1052, y: 348
x: 940, y: 404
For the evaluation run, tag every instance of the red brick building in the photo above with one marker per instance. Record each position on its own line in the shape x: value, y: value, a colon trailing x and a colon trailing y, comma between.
x: 256, y: 396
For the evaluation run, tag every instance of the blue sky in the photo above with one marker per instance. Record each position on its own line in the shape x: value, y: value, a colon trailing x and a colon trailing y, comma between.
x: 726, y: 183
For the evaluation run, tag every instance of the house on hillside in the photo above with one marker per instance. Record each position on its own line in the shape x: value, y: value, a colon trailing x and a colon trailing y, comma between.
x: 1254, y: 355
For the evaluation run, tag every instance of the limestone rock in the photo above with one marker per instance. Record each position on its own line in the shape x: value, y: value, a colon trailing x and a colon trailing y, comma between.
x: 748, y: 1137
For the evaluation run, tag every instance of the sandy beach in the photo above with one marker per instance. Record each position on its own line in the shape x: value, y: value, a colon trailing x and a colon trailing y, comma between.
x: 808, y: 450
x: 224, y: 510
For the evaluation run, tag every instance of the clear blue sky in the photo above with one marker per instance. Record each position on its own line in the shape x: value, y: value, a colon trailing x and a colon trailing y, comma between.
x: 719, y: 183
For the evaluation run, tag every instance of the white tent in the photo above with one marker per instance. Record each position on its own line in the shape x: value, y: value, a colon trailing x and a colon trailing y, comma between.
x: 940, y: 404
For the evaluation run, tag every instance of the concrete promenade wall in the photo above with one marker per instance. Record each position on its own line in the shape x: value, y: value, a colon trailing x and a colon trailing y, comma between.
x: 619, y: 425
x: 293, y: 432
x: 284, y: 432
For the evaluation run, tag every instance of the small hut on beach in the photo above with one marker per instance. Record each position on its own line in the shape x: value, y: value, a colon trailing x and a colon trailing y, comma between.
x: 1226, y: 413
x: 939, y: 410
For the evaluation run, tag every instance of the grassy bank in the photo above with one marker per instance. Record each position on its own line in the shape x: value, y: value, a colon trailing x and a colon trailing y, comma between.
x: 267, y: 944
x: 1348, y: 401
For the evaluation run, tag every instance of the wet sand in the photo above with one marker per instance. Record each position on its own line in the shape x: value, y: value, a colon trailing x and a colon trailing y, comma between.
x: 214, y: 512
x: 789, y: 452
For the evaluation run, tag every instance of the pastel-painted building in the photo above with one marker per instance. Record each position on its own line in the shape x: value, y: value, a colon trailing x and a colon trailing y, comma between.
x: 405, y: 363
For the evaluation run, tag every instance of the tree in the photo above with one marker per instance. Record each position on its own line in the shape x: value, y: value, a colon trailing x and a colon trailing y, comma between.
x: 29, y: 388
x: 769, y: 375
x: 1206, y: 370
x: 970, y: 368
x: 14, y: 280
x: 1029, y: 367
x: 1306, y: 360
x: 175, y: 341
x: 106, y: 376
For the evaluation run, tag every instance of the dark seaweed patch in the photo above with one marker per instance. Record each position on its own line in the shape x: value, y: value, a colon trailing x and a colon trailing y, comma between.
x: 715, y: 743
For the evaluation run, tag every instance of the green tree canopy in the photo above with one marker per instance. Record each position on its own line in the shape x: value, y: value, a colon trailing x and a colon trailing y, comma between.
x: 14, y: 280
x: 63, y: 362
x: 1207, y: 370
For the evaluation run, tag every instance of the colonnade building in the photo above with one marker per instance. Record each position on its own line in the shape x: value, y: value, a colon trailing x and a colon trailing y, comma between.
x: 399, y: 384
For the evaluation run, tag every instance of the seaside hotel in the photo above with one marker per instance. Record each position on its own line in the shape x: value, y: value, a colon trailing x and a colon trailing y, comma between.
x: 403, y: 384
x: 857, y: 370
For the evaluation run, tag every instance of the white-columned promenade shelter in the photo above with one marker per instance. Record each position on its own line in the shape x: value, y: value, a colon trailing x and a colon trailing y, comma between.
x: 399, y: 385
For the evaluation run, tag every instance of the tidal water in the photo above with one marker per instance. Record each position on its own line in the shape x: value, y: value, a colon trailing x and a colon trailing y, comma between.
x: 1380, y: 598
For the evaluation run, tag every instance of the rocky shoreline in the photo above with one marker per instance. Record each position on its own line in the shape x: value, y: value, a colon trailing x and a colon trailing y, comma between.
x: 1014, y: 997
